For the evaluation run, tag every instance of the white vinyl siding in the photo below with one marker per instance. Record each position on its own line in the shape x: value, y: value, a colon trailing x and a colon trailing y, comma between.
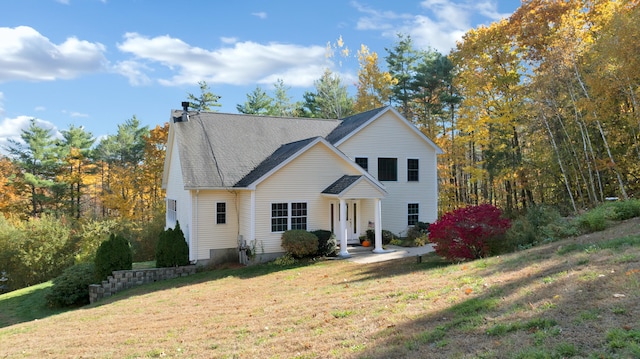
x: 209, y: 234
x: 175, y: 191
x: 302, y: 180
x: 401, y: 142
x: 244, y: 217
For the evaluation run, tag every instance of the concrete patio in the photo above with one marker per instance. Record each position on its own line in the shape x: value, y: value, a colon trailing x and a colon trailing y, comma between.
x: 364, y: 255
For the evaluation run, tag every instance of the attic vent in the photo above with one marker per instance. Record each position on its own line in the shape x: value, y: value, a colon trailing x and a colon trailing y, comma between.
x: 185, y: 113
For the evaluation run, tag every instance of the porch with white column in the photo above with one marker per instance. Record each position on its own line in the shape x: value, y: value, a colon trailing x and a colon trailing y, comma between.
x: 356, y: 188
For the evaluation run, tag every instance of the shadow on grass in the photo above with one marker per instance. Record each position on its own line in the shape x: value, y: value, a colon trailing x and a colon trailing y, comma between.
x: 560, y: 310
x: 24, y: 305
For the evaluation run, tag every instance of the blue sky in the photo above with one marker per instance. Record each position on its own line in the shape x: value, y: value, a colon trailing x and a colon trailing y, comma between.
x: 97, y: 63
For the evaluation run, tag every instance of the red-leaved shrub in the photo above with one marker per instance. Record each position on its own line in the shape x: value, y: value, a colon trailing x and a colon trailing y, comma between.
x: 468, y: 233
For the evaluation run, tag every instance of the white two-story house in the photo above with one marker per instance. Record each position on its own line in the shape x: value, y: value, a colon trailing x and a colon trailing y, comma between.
x: 231, y: 178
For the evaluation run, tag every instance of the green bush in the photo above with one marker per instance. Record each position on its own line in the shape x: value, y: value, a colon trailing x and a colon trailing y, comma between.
x: 418, y: 235
x: 595, y: 220
x: 326, y: 243
x: 387, y: 236
x: 299, y: 243
x: 71, y: 288
x: 34, y: 251
x: 285, y: 260
x: 113, y: 254
x: 540, y: 224
x: 93, y: 233
x: 172, y: 249
x: 626, y: 209
x: 146, y: 236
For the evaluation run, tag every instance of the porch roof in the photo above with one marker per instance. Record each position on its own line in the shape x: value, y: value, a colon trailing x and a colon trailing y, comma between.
x: 354, y: 186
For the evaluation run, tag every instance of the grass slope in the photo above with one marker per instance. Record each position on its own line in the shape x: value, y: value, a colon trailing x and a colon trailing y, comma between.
x: 573, y: 298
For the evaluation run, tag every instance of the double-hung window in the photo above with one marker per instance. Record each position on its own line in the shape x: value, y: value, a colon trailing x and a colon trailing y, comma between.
x: 387, y: 169
x: 221, y: 213
x: 413, y: 213
x: 413, y: 170
x: 299, y: 215
x: 279, y: 217
x: 285, y: 216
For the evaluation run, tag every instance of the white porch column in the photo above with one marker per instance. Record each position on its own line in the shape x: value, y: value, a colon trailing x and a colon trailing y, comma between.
x: 343, y: 229
x: 378, y: 228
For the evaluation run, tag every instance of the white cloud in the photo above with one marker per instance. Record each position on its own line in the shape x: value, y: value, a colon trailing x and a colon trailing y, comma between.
x: 261, y: 14
x: 439, y: 26
x: 134, y: 71
x: 74, y: 113
x: 27, y: 55
x: 241, y: 64
x: 229, y: 40
x: 489, y: 10
x: 11, y: 128
x: 39, y: 108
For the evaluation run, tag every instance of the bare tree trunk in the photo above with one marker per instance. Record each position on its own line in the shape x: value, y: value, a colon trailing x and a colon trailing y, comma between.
x: 564, y: 174
x: 604, y: 138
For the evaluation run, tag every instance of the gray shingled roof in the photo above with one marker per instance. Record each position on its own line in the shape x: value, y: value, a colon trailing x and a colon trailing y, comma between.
x: 271, y: 162
x: 341, y: 184
x: 225, y: 150
x: 351, y: 123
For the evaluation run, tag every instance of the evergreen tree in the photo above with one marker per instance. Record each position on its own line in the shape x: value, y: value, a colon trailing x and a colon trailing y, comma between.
x: 258, y: 103
x: 36, y: 156
x: 205, y: 101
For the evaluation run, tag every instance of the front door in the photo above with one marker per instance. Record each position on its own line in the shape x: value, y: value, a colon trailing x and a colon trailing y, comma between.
x: 353, y: 220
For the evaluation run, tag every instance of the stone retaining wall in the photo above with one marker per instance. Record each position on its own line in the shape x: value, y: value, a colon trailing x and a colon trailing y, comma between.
x: 125, y: 279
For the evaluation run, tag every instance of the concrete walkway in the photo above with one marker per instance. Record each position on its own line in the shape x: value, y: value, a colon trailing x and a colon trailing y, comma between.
x: 363, y: 255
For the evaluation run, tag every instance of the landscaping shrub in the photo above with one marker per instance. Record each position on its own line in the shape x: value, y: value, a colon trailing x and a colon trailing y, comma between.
x: 172, y: 249
x: 72, y: 286
x: 387, y: 236
x: 285, y: 260
x: 418, y: 235
x: 113, y: 254
x: 299, y: 243
x: 326, y: 242
x: 468, y: 233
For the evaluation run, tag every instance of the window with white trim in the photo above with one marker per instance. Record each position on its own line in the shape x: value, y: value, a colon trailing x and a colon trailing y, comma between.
x: 221, y: 213
x: 172, y: 210
x: 299, y: 215
x: 285, y: 216
x: 413, y: 213
x: 279, y: 217
x: 413, y: 170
